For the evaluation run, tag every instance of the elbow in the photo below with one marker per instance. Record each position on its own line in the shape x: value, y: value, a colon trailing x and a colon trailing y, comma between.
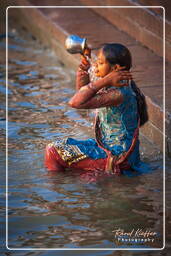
x: 73, y: 104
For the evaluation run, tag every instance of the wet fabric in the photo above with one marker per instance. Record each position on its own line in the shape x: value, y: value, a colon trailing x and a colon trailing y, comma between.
x: 115, y: 130
x: 117, y: 126
x: 55, y: 162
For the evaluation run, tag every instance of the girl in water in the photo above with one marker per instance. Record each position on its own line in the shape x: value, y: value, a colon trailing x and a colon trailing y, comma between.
x: 121, y: 110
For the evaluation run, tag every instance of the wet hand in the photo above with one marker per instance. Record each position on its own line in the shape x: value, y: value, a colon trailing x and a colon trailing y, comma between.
x: 85, y: 64
x: 116, y: 76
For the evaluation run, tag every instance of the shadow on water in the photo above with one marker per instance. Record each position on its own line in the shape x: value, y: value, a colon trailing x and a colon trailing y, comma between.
x: 48, y: 210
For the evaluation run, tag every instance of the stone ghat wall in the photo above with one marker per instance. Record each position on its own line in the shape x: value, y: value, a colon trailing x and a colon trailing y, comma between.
x: 143, y: 24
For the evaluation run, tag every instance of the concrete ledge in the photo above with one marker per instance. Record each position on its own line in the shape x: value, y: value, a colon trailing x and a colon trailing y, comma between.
x: 52, y: 25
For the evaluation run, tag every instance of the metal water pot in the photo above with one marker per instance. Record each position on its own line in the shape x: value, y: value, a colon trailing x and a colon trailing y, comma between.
x: 75, y: 44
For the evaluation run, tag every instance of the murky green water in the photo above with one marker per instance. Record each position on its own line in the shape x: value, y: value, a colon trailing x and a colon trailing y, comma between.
x: 47, y: 210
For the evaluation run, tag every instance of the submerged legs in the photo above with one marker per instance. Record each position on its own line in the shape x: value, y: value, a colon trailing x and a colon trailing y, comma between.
x: 53, y: 161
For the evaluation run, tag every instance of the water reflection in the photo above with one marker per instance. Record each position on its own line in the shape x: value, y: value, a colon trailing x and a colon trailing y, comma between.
x: 48, y: 210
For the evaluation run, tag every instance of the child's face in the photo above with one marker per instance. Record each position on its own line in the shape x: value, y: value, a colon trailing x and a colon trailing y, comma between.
x: 102, y: 66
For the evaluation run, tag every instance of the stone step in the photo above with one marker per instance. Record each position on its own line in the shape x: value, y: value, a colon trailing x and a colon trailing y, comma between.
x: 143, y: 24
x: 52, y: 25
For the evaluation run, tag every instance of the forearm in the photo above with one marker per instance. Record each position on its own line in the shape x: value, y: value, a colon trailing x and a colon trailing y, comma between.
x: 85, y: 93
x: 113, y: 97
x: 82, y: 79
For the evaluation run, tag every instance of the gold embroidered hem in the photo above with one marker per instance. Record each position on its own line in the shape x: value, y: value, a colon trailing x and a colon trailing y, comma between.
x: 69, y: 153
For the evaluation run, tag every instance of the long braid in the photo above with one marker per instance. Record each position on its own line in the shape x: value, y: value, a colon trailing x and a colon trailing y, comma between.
x: 141, y: 103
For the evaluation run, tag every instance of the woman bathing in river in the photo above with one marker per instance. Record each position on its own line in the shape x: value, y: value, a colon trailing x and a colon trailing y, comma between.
x: 121, y: 110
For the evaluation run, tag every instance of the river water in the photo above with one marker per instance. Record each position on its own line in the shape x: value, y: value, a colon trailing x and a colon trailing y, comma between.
x: 48, y: 210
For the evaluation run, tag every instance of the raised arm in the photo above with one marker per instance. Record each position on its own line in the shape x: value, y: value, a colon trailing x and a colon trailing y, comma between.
x: 82, y: 79
x: 89, y: 96
x: 82, y: 76
x: 112, y: 97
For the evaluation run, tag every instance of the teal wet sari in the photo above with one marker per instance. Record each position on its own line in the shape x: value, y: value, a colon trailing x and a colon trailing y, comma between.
x: 117, y: 125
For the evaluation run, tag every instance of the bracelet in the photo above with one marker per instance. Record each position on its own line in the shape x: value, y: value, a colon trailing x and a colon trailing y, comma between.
x: 92, y: 87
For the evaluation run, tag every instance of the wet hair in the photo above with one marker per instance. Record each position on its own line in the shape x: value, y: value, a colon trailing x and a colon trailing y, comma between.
x: 119, y: 54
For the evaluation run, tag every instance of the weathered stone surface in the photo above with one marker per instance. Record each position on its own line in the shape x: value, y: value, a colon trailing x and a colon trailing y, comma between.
x: 143, y: 24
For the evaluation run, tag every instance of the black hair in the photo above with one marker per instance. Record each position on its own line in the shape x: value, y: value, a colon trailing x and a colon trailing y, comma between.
x: 119, y: 54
